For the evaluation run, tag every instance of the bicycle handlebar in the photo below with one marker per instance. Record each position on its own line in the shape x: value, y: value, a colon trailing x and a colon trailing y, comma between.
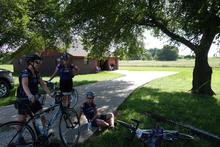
x: 51, y: 85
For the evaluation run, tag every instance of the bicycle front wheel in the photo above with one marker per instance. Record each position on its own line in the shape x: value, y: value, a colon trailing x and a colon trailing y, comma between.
x: 11, y: 137
x: 74, y: 98
x: 69, y: 126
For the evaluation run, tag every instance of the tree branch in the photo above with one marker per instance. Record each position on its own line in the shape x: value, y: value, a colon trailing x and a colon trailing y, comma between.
x: 153, y: 23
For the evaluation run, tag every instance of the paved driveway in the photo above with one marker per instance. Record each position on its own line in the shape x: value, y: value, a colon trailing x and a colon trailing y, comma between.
x: 109, y: 94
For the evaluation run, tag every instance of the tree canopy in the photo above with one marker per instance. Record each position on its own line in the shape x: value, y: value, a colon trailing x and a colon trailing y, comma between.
x: 167, y: 53
x: 119, y: 23
x: 104, y: 23
x: 33, y: 25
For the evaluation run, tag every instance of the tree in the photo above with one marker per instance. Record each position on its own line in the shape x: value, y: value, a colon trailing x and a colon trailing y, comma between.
x: 33, y: 26
x: 153, y: 52
x: 138, y: 54
x: 103, y: 23
x: 167, y: 53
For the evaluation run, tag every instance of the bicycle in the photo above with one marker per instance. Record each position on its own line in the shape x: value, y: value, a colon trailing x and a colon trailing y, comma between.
x: 73, y: 94
x: 153, y: 137
x: 68, y: 127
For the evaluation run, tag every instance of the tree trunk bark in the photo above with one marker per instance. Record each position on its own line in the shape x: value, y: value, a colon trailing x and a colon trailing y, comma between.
x: 202, y: 75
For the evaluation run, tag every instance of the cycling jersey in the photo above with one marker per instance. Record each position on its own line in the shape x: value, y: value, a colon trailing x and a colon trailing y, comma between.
x: 88, y: 110
x: 65, y: 73
x: 33, y: 81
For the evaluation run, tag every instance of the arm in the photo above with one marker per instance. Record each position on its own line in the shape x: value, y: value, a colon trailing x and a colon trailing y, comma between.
x: 54, y: 74
x: 44, y: 86
x: 76, y: 70
x: 26, y: 89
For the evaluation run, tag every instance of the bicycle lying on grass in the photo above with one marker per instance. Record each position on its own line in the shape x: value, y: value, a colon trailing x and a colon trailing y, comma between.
x: 153, y: 137
x: 33, y: 135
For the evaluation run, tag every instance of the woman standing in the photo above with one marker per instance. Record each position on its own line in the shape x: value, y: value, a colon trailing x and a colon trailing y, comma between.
x: 29, y: 80
x: 66, y: 72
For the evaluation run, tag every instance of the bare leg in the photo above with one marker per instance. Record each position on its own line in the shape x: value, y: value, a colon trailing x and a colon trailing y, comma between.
x: 102, y: 123
x: 21, y: 118
x: 66, y: 100
x: 110, y: 119
x: 43, y: 119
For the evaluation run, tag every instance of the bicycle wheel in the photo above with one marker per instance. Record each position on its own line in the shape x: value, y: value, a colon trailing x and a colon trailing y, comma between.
x: 69, y: 126
x: 172, y: 134
x: 126, y: 125
x: 10, y: 137
x: 74, y: 98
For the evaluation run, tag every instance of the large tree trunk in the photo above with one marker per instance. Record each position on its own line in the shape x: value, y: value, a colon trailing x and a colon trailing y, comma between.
x: 202, y: 75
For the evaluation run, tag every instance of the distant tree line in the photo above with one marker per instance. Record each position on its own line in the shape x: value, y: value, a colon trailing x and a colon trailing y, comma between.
x: 167, y: 53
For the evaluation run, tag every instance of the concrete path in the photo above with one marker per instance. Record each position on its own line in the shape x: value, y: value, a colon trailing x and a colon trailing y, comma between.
x: 109, y: 95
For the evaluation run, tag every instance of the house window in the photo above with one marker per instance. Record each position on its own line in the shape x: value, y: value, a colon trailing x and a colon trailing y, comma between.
x: 86, y: 61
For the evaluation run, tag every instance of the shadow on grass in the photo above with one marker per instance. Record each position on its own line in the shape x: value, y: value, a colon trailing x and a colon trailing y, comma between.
x: 197, y: 110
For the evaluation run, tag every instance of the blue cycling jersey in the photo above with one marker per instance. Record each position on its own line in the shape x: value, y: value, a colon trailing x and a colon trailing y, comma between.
x: 33, y: 81
x: 65, y: 73
x: 88, y: 110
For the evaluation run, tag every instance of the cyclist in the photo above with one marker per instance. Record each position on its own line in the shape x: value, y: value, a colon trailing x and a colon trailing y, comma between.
x: 66, y: 72
x: 90, y: 111
x: 29, y: 80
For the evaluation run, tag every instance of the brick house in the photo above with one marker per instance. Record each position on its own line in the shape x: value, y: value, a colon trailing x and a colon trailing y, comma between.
x: 78, y: 56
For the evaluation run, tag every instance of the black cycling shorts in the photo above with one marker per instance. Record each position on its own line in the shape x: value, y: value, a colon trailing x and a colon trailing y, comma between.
x: 102, y: 117
x: 66, y: 86
x: 23, y: 108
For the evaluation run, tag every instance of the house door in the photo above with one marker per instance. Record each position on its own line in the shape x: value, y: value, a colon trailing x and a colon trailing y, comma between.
x: 104, y: 64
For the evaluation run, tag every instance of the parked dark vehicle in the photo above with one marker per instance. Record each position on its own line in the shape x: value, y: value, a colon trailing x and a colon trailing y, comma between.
x: 6, y: 82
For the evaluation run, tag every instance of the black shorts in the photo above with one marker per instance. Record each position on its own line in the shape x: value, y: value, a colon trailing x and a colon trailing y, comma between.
x: 66, y: 86
x: 102, y: 117
x: 34, y: 107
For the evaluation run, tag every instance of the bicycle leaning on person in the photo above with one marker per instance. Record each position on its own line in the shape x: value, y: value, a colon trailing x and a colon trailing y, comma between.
x: 29, y: 80
x: 66, y: 72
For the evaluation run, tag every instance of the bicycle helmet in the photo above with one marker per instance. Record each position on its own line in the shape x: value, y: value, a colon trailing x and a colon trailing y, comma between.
x: 64, y: 57
x: 32, y: 57
x: 90, y: 93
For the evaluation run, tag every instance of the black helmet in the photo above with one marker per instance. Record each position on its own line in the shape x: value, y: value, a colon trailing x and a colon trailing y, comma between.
x: 90, y: 93
x: 64, y: 57
x: 32, y: 57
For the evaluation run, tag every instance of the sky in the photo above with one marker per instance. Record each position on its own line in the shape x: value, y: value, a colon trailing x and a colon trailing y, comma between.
x: 153, y: 42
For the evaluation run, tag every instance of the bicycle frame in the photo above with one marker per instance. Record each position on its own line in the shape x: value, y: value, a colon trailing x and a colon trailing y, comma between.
x: 155, y: 135
x: 54, y: 118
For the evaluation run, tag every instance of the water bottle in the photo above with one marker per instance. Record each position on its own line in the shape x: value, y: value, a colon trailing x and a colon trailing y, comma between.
x: 89, y: 126
x: 39, y: 126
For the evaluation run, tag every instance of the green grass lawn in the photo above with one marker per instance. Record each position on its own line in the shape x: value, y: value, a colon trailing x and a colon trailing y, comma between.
x: 167, y: 97
x: 214, y: 62
x: 77, y: 81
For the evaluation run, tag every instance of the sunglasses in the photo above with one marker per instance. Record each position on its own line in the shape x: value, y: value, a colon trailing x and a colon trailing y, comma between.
x: 90, y: 98
x: 38, y: 62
